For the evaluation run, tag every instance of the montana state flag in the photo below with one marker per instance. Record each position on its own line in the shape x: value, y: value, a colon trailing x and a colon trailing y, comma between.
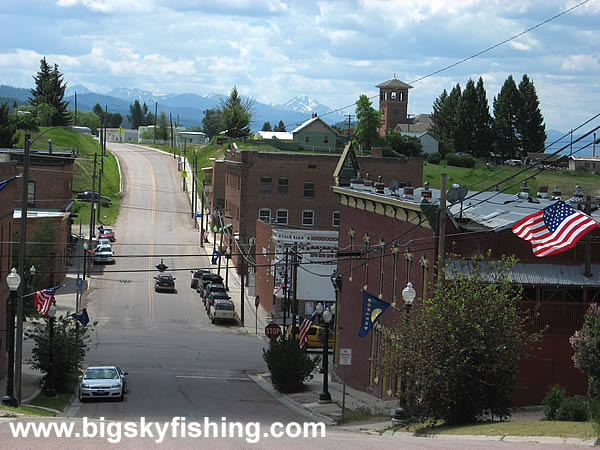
x: 373, y: 308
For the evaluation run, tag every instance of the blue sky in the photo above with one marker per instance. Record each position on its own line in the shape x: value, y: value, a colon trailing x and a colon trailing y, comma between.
x: 334, y: 51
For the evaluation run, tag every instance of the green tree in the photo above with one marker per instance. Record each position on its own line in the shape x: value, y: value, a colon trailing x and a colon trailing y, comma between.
x: 444, y: 119
x: 8, y: 128
x: 50, y: 90
x: 27, y: 122
x: 137, y: 114
x: 289, y: 365
x: 89, y: 119
x: 69, y: 346
x: 530, y: 121
x: 266, y: 127
x: 280, y: 127
x: 162, y: 132
x: 211, y: 122
x: 99, y: 111
x: 114, y: 120
x: 459, y: 350
x: 395, y: 145
x: 369, y: 122
x: 484, y: 138
x: 473, y: 131
x: 45, y: 114
x: 586, y: 344
x: 506, y: 110
x: 236, y: 114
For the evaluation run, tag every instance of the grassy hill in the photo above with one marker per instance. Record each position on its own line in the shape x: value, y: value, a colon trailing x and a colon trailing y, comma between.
x: 482, y: 177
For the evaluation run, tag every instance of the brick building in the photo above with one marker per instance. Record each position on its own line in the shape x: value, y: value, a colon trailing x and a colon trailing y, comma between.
x: 393, y: 104
x: 8, y: 194
x: 294, y: 189
x: 399, y: 238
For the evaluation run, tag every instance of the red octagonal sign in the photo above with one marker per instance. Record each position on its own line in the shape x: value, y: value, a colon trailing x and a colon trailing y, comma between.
x: 272, y: 331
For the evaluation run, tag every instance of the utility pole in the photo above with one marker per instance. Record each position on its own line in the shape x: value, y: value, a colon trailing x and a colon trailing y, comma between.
x: 202, y: 215
x: 588, y: 241
x: 155, y: 119
x: 93, y: 203
x: 295, y: 287
x: 442, y: 231
x: 349, y: 116
x: 22, y: 244
x: 285, y: 291
x: 243, y: 289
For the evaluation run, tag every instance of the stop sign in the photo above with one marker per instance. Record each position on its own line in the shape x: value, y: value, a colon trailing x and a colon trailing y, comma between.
x: 272, y: 331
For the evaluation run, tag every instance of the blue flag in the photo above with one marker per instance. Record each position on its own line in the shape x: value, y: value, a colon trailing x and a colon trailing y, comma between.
x: 215, y: 257
x: 373, y: 308
x: 82, y: 317
x: 3, y: 183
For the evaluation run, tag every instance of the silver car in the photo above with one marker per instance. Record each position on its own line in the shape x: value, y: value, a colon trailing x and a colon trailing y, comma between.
x: 103, y: 382
x: 104, y: 255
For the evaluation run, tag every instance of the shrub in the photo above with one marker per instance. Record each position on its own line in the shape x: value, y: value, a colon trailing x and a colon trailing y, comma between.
x: 434, y: 158
x: 467, y: 161
x: 453, y: 160
x: 573, y: 409
x: 289, y: 365
x: 552, y: 402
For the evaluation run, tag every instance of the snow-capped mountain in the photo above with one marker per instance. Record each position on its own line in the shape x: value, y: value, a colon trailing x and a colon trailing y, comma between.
x: 304, y: 104
x: 134, y: 94
x: 79, y: 88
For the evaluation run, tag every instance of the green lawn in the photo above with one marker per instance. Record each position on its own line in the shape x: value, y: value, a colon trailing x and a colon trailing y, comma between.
x: 7, y: 411
x: 481, y: 177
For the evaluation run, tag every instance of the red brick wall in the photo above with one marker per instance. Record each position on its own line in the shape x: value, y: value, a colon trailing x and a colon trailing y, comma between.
x: 264, y: 277
x: 53, y: 183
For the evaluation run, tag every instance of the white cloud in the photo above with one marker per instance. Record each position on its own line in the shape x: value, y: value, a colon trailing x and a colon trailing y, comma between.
x: 582, y: 63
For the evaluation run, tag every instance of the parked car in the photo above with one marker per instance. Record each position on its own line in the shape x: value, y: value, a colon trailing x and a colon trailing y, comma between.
x: 107, y: 233
x: 104, y: 254
x: 513, y: 162
x: 103, y: 382
x: 196, y: 276
x: 87, y: 196
x: 221, y: 309
x: 104, y: 242
x: 164, y: 282
x: 210, y: 300
x: 315, y: 336
x: 213, y: 287
x: 206, y: 279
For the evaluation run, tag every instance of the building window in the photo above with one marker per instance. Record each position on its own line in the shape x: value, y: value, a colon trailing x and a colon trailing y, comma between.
x: 307, y: 139
x: 336, y: 219
x: 31, y: 193
x: 308, y: 217
x: 265, y: 184
x: 264, y: 215
x: 282, y: 216
x: 326, y: 139
x: 282, y: 185
x: 309, y: 189
x: 393, y: 97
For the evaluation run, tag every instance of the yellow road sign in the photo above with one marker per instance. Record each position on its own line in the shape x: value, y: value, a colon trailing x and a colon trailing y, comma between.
x: 184, y: 174
x: 120, y: 130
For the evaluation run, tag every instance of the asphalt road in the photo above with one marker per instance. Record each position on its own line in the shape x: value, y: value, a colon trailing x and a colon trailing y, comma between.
x: 179, y: 364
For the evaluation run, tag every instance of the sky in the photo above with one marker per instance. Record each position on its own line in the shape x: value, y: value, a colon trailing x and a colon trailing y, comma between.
x: 333, y: 51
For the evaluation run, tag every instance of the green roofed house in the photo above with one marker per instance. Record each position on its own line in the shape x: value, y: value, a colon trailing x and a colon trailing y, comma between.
x: 316, y: 136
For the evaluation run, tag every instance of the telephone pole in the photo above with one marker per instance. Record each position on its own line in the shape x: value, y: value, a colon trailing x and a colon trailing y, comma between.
x: 349, y: 116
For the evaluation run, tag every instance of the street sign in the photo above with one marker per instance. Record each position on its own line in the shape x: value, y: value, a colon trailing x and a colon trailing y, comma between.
x: 272, y: 331
x: 120, y: 130
x: 184, y: 174
x: 79, y: 282
x: 257, y: 301
x: 345, y: 356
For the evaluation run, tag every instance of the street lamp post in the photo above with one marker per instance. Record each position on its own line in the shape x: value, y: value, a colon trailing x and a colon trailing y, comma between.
x: 325, y: 396
x: 85, y: 250
x: 13, y: 280
x: 408, y: 295
x: 50, y: 390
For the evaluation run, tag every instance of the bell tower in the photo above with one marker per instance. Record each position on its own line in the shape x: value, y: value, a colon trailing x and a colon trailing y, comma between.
x: 393, y: 103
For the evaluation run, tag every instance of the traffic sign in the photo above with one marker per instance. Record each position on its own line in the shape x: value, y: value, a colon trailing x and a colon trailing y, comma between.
x: 184, y: 174
x: 345, y: 356
x: 272, y: 331
x: 257, y: 301
x: 120, y: 130
x: 78, y: 282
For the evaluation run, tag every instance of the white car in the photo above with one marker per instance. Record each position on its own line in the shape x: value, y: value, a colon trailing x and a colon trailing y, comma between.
x: 103, y: 382
x: 222, y: 309
x: 104, y: 255
x: 104, y: 242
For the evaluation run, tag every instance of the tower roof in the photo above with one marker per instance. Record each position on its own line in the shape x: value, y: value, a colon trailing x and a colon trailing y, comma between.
x: 394, y: 83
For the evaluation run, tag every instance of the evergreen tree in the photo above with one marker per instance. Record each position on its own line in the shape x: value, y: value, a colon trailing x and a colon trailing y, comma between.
x: 136, y: 115
x: 484, y: 138
x: 280, y: 127
x: 266, y: 126
x: 50, y: 90
x: 444, y: 119
x: 236, y: 114
x: 464, y: 135
x: 8, y: 128
x: 369, y: 121
x: 530, y: 121
x: 211, y: 122
x: 506, y: 108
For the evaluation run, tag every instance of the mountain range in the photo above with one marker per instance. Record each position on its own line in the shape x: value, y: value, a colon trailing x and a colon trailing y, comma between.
x: 186, y: 109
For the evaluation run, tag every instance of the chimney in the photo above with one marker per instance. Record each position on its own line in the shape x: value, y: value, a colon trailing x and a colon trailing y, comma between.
x: 542, y: 192
x: 314, y: 115
x: 377, y: 152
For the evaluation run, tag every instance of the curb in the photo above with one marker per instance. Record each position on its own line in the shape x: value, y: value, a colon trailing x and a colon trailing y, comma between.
x: 285, y: 400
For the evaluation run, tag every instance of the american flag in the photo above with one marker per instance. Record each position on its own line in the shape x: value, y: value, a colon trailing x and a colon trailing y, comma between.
x: 554, y: 229
x: 304, y: 328
x: 43, y: 299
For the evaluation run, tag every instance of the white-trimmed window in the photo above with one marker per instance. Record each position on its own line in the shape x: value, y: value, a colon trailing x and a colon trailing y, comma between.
x: 336, y: 219
x: 282, y: 216
x: 264, y: 214
x: 308, y: 217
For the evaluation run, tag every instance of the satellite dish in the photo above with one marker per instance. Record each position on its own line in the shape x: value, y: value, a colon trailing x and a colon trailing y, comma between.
x: 452, y: 196
x: 462, y: 192
x: 394, y: 185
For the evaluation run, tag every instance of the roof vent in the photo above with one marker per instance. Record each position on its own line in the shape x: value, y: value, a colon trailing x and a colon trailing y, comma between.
x: 542, y: 192
x: 556, y: 194
x: 524, y: 194
x: 426, y: 192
